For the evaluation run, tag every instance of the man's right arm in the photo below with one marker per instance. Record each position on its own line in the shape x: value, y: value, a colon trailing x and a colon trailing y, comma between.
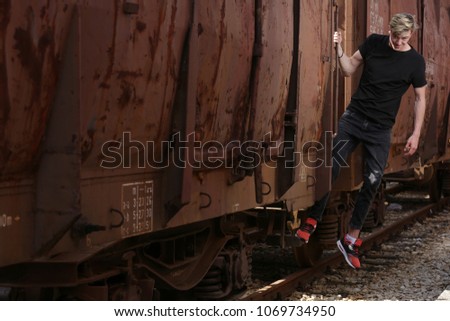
x: 348, y: 64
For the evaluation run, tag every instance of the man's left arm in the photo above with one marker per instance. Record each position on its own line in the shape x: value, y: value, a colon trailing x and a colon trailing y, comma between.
x: 419, y: 114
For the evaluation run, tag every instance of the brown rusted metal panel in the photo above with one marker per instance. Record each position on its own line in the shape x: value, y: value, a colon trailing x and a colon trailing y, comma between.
x: 128, y: 78
x: 129, y: 74
x: 32, y: 41
x: 225, y: 32
x: 315, y: 59
x: 133, y: 59
x: 435, y: 50
x: 57, y: 179
x: 315, y: 109
x: 16, y: 222
x: 32, y: 35
x: 378, y: 16
x: 272, y: 76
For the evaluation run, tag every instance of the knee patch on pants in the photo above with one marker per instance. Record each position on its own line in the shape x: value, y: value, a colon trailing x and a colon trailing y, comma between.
x: 375, y: 178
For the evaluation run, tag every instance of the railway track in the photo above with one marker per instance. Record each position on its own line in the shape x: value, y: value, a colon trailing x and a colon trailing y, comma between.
x: 285, y: 286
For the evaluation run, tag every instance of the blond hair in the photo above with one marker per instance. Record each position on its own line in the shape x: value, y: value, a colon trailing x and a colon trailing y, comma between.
x: 403, y: 22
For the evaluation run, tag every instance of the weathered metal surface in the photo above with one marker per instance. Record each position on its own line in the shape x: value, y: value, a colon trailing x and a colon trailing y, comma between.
x: 131, y: 74
x: 129, y: 68
x: 57, y: 179
x: 32, y: 35
x: 270, y: 88
x: 16, y: 222
x: 314, y: 108
x: 132, y: 68
x: 225, y: 33
x: 315, y: 62
x: 32, y: 41
x: 436, y: 42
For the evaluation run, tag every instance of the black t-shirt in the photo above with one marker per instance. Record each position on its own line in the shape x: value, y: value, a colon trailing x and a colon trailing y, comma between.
x: 386, y: 76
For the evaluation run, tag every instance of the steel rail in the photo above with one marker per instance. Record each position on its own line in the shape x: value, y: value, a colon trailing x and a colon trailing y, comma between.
x: 284, y: 287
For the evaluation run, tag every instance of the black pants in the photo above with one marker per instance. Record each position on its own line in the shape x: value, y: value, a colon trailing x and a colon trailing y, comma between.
x: 355, y: 128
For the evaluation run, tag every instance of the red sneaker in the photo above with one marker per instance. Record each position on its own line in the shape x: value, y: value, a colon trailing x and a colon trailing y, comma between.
x: 306, y: 229
x: 350, y: 252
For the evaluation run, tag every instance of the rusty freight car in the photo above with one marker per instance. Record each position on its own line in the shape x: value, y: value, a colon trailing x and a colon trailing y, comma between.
x: 147, y: 145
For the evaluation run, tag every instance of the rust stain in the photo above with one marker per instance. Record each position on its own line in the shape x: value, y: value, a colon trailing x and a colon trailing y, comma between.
x: 199, y: 29
x: 30, y: 56
x: 212, y: 90
x: 126, y: 73
x: 154, y: 40
x: 5, y: 12
x: 43, y: 12
x: 140, y: 26
x: 87, y: 143
x: 170, y: 71
x: 222, y: 38
x: 45, y: 40
x: 128, y: 92
x: 238, y: 125
x: 111, y: 50
x: 171, y: 35
x: 33, y: 46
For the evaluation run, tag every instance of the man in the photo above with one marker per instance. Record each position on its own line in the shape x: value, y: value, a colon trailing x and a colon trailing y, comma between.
x: 390, y: 66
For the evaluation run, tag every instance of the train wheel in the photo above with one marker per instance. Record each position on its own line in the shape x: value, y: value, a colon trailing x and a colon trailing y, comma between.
x: 308, y: 254
x: 217, y: 283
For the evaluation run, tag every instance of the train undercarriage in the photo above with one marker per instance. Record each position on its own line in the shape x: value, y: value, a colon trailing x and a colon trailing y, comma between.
x: 207, y: 260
